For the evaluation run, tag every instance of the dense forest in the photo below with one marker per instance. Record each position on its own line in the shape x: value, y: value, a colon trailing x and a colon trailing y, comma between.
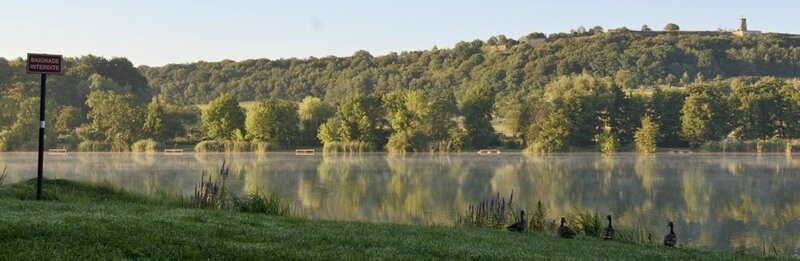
x: 611, y: 90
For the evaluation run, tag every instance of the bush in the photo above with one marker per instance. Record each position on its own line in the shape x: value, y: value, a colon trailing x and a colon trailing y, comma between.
x: 90, y: 145
x: 646, y: 136
x: 587, y: 223
x: 607, y: 142
x: 146, y: 145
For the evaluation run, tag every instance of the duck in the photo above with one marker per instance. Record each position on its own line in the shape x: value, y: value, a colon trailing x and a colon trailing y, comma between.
x: 671, y: 239
x: 564, y: 231
x: 609, y: 232
x: 520, y: 225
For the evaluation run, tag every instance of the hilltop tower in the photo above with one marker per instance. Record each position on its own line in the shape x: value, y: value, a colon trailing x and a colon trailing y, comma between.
x: 743, y: 24
x: 743, y: 29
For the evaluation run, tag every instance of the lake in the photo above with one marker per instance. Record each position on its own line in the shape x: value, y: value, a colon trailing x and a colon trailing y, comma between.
x: 720, y: 201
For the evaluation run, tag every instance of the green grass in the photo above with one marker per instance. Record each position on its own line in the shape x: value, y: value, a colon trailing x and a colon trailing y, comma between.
x: 83, y: 221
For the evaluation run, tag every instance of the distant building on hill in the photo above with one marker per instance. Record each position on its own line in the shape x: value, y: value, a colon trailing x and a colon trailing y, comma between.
x: 743, y: 29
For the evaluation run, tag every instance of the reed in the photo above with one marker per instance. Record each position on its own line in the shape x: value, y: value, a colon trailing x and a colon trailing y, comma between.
x: 146, y: 145
x: 495, y: 213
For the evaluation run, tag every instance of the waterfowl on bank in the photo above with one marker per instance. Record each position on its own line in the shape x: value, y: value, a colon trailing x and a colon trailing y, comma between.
x: 671, y: 239
x: 520, y: 225
x: 609, y: 232
x: 564, y: 231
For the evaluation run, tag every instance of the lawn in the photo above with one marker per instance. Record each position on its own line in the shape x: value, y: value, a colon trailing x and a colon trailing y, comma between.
x: 83, y: 221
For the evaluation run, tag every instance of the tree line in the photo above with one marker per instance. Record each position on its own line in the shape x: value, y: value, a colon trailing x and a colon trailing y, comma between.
x: 611, y: 90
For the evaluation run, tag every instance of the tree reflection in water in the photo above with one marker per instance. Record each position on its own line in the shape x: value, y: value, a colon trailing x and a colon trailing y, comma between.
x: 716, y: 200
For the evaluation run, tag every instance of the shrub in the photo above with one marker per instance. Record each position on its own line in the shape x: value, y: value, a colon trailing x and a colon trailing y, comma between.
x: 587, y: 223
x: 260, y: 202
x: 146, y: 145
x: 90, y: 145
x: 538, y: 218
x: 646, y: 136
x: 606, y: 141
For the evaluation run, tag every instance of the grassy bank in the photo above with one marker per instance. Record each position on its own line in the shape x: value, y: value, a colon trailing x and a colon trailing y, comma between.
x: 99, y: 222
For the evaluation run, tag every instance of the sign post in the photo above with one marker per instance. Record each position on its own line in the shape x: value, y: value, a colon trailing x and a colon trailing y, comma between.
x: 43, y: 64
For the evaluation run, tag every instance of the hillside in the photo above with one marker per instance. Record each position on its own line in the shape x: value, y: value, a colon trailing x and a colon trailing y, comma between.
x: 516, y: 67
x: 552, y: 93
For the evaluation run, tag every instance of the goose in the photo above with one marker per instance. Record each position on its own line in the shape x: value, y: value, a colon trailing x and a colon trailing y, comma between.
x: 564, y: 231
x: 609, y: 232
x: 671, y: 239
x: 520, y: 225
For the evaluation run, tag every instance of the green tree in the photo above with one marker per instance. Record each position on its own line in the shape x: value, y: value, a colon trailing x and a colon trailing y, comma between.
x: 646, y: 28
x: 665, y: 110
x: 67, y: 119
x: 758, y: 108
x: 313, y: 113
x: 705, y: 116
x: 223, y: 117
x: 477, y: 111
x: 362, y: 119
x: 273, y: 121
x: 153, y: 126
x: 646, y: 136
x: 114, y: 118
x: 671, y: 27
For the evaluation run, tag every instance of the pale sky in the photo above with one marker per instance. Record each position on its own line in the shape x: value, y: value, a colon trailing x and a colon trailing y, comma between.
x: 160, y: 32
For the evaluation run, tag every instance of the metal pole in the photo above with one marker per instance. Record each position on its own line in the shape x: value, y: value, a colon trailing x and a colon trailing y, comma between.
x: 39, y: 175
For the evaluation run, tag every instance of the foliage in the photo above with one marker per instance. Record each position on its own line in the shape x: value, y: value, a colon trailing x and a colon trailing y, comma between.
x: 646, y: 136
x: 90, y: 145
x: 671, y: 27
x: 539, y: 217
x: 223, y: 117
x: 346, y: 147
x: 273, y: 121
x: 313, y: 113
x: 153, y: 121
x: 704, y: 113
x: 587, y: 223
x: 146, y: 145
x: 114, y: 118
x: 210, y: 146
x: 476, y: 108
x: 607, y: 142
x: 419, y: 123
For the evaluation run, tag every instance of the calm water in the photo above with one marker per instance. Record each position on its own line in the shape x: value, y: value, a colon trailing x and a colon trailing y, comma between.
x: 717, y: 201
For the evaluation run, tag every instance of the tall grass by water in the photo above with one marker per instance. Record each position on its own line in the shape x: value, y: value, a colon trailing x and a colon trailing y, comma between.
x: 346, y: 147
x: 760, y: 146
x: 146, y: 145
x: 235, y: 146
x: 495, y: 212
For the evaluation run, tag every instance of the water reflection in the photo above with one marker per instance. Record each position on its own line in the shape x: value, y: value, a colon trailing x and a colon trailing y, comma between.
x: 716, y: 200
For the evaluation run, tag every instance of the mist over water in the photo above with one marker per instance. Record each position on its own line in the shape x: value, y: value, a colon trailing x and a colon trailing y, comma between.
x: 720, y: 201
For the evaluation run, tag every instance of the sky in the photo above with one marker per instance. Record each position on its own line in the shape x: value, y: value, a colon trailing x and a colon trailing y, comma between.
x: 155, y: 33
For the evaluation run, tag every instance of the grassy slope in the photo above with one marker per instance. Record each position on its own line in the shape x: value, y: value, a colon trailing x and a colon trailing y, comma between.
x: 99, y: 223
